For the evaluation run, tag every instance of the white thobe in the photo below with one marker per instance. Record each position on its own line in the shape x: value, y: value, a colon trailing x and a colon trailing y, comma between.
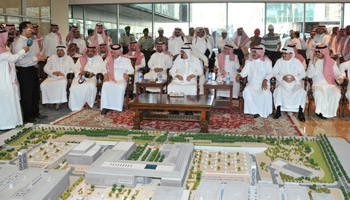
x: 10, y: 107
x: 323, y: 38
x: 332, y: 46
x: 326, y: 96
x: 231, y: 67
x: 257, y: 100
x: 247, y: 45
x: 289, y: 95
x: 54, y: 88
x: 212, y: 43
x: 112, y: 95
x: 294, y: 41
x: 204, y: 62
x: 310, y: 49
x: 189, y: 38
x: 85, y: 92
x: 137, y: 68
x: 346, y: 57
x: 100, y: 40
x: 158, y: 60
x: 339, y: 50
x: 185, y: 68
x: 222, y: 42
x: 80, y: 43
x: 200, y: 45
x: 175, y: 45
x: 342, y: 67
x: 51, y: 41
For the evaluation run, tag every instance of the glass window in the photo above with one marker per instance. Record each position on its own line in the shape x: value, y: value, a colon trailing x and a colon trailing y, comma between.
x: 11, y: 7
x: 253, y: 18
x: 38, y: 8
x: 170, y: 16
x: 328, y: 14
x: 105, y: 14
x: 347, y: 14
x: 285, y: 17
x: 12, y: 20
x: 211, y: 15
x: 44, y: 25
x: 137, y: 16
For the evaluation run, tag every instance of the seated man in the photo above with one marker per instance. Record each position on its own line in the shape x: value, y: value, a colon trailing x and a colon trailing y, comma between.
x: 228, y: 64
x: 134, y: 52
x: 184, y: 72
x: 324, y: 71
x: 257, y: 95
x: 103, y: 51
x: 343, y: 67
x: 289, y: 94
x: 73, y: 50
x: 77, y: 40
x: 158, y: 64
x: 113, y: 90
x: 53, y: 89
x: 83, y: 89
x: 298, y: 56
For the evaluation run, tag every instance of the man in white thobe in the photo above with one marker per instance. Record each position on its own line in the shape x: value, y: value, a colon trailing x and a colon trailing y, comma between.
x: 52, y: 40
x: 140, y: 62
x: 10, y: 107
x: 158, y: 64
x: 185, y: 70
x: 54, y: 88
x: 77, y: 40
x: 209, y: 37
x: 83, y: 89
x: 224, y: 40
x: 324, y: 71
x: 99, y: 37
x: 310, y: 49
x: 73, y: 50
x: 293, y: 40
x: 322, y: 36
x: 227, y: 64
x: 38, y: 41
x: 289, y: 94
x: 104, y: 51
x: 345, y: 45
x: 119, y: 68
x: 241, y: 43
x: 343, y: 67
x: 200, y: 43
x: 257, y: 95
x: 176, y: 41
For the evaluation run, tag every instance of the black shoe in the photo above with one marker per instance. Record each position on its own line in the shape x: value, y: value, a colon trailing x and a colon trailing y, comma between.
x: 321, y: 116
x: 31, y: 120
x: 174, y: 112
x: 104, y: 111
x: 301, y: 117
x: 41, y: 116
x: 277, y: 113
x: 256, y: 115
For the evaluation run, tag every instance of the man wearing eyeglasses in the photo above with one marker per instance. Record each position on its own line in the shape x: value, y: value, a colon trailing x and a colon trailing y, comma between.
x: 27, y: 74
x: 325, y: 73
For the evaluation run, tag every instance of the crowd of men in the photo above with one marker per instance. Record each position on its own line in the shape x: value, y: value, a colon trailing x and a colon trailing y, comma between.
x: 186, y: 58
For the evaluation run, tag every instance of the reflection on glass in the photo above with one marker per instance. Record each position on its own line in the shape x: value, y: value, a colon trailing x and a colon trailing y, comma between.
x: 347, y: 14
x: 44, y: 25
x: 211, y: 15
x: 328, y: 14
x: 11, y: 7
x: 170, y: 16
x: 38, y: 8
x: 137, y: 16
x: 253, y: 18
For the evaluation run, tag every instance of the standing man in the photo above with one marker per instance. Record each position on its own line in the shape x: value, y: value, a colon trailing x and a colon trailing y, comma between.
x: 38, y: 41
x: 52, y: 40
x: 70, y: 35
x: 28, y: 74
x: 322, y: 36
x: 224, y: 40
x: 345, y: 46
x: 176, y: 41
x: 11, y: 30
x: 272, y: 43
x: 256, y: 39
x: 99, y: 37
x: 190, y: 34
x: 90, y: 34
x: 9, y: 103
x: 302, y: 42
x: 77, y: 40
x: 257, y: 95
x: 310, y: 49
x: 161, y: 37
x: 127, y: 37
x: 293, y: 40
x: 241, y: 43
x: 146, y: 44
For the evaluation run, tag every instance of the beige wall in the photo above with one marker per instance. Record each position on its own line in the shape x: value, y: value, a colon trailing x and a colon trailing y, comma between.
x: 71, y: 2
x: 60, y: 16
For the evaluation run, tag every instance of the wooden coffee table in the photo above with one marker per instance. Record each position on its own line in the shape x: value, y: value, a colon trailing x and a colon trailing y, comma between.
x: 220, y: 103
x: 143, y: 104
x: 147, y: 83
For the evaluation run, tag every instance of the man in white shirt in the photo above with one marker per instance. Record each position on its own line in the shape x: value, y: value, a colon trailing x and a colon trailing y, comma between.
x: 322, y: 36
x: 293, y: 40
x: 52, y: 40
x: 185, y: 70
x: 224, y: 40
x: 28, y: 74
x: 77, y: 40
x: 176, y: 41
x: 83, y: 89
x: 310, y: 49
x: 158, y: 64
x: 257, y: 95
x: 324, y: 72
x: 227, y: 64
x: 99, y: 37
x: 54, y: 88
x: 119, y: 68
x: 289, y: 94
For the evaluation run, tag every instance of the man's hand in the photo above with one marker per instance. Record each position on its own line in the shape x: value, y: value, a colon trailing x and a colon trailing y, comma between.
x: 340, y: 81
x: 288, y: 78
x: 264, y: 84
x: 105, y: 78
x: 126, y: 76
x: 56, y: 73
x: 26, y: 48
x: 82, y: 72
x: 189, y: 78
x: 205, y: 68
x: 238, y: 77
x: 179, y: 77
x: 176, y: 56
x: 158, y: 69
x: 215, y: 68
x: 40, y: 57
x: 91, y: 75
